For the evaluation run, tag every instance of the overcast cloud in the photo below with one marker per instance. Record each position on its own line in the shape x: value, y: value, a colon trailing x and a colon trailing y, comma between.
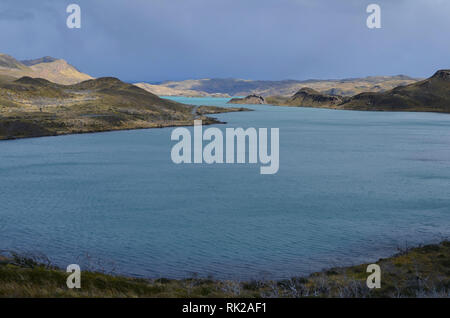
x: 155, y: 40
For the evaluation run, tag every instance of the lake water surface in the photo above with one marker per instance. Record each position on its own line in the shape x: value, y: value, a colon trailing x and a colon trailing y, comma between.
x: 352, y: 187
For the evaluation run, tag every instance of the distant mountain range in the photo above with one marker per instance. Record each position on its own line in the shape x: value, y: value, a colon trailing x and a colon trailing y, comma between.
x: 161, y: 90
x: 61, y: 72
x: 239, y: 87
x: 52, y: 69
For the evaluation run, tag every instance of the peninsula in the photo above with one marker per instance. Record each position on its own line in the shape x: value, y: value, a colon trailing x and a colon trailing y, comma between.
x: 49, y: 97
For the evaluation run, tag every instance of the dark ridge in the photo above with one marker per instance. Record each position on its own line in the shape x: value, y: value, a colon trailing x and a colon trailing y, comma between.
x: 442, y: 75
x: 112, y: 85
x: 102, y: 82
x: 307, y: 90
x: 45, y: 59
x: 33, y: 81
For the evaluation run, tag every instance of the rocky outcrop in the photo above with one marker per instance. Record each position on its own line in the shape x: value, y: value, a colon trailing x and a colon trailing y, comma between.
x: 310, y: 97
x: 249, y: 100
x: 307, y: 97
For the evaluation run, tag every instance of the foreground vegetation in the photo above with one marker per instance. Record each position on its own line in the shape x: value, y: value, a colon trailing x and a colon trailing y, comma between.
x: 418, y: 272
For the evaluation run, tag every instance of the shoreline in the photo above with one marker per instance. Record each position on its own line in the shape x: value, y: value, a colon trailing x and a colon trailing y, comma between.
x: 206, y: 110
x: 353, y: 109
x: 158, y: 126
x: 363, y: 110
x: 420, y: 271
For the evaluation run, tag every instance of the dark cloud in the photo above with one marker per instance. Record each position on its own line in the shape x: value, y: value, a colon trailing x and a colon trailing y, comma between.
x: 258, y: 39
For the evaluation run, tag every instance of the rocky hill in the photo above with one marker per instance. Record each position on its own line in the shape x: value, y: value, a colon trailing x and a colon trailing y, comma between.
x: 251, y: 99
x: 52, y: 69
x: 33, y: 107
x: 430, y: 95
x: 307, y: 97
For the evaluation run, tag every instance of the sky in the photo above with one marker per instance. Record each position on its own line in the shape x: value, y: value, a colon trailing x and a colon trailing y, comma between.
x: 159, y: 40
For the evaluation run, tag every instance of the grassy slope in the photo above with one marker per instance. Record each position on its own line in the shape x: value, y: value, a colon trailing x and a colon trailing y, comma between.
x: 33, y: 107
x: 419, y: 272
x: 432, y: 94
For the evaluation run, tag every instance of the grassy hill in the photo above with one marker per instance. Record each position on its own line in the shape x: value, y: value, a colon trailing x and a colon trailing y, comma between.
x: 429, y: 95
x: 432, y: 94
x: 417, y: 272
x: 33, y: 107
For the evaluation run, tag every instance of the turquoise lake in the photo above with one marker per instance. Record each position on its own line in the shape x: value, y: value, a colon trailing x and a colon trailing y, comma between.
x: 352, y: 187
